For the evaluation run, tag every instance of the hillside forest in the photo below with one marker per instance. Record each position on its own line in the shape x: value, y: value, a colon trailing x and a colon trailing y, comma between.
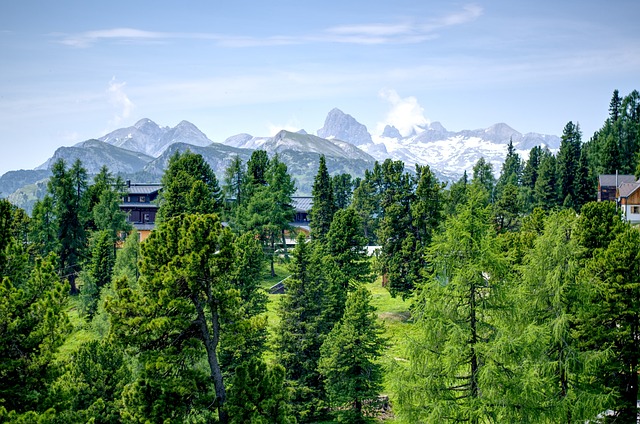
x: 489, y: 300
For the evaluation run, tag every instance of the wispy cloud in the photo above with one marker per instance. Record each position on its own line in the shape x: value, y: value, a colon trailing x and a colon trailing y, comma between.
x: 85, y: 39
x: 415, y: 31
x: 405, y: 32
x: 119, y: 99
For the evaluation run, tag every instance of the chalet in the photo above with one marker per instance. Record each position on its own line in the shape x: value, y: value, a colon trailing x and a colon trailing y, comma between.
x: 608, y: 185
x: 140, y: 204
x: 629, y: 201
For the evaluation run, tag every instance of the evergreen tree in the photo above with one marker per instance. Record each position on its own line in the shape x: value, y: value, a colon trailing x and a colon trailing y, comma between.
x: 448, y: 377
x: 545, y: 192
x: 67, y: 189
x: 349, y: 359
x: 399, y: 246
x: 42, y: 229
x: 98, y: 271
x: 176, y: 316
x: 91, y: 385
x: 323, y: 203
x: 345, y: 263
x: 235, y: 180
x: 367, y: 205
x: 511, y: 172
x: 567, y: 163
x: 189, y: 186
x: 457, y: 194
x: 257, y: 168
x: 549, y: 298
x: 33, y: 324
x: 301, y: 331
x: 342, y: 190
x: 483, y: 177
x: 610, y: 323
x: 258, y: 395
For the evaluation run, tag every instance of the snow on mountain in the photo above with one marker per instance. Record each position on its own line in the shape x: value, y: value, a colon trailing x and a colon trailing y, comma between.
x: 450, y: 153
x: 301, y: 142
x: 148, y: 138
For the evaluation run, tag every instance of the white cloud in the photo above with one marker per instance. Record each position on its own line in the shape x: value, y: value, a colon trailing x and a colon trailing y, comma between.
x: 407, y: 32
x: 119, y: 99
x: 405, y: 113
x: 276, y: 128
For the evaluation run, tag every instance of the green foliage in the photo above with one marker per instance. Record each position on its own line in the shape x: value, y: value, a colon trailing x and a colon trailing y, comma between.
x: 349, y: 357
x: 610, y: 322
x: 342, y: 190
x: 258, y: 395
x: 545, y: 192
x: 323, y: 202
x: 189, y: 186
x: 33, y: 324
x: 67, y: 189
x: 184, y: 297
x: 90, y: 387
x: 301, y: 331
x: 448, y: 377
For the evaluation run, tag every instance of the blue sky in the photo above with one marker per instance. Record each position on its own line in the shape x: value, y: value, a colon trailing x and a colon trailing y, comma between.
x: 74, y: 70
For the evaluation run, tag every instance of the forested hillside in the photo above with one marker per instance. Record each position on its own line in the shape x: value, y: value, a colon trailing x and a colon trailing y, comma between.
x: 508, y: 300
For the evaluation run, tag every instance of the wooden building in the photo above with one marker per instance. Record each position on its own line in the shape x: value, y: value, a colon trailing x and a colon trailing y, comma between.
x: 140, y: 204
x: 608, y: 185
x: 629, y: 201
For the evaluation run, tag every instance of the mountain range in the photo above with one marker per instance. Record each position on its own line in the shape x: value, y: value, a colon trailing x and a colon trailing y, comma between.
x: 141, y: 152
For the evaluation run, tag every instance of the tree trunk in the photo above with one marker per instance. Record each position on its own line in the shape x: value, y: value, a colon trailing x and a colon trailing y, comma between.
x: 473, y: 342
x: 211, y: 344
x: 273, y: 254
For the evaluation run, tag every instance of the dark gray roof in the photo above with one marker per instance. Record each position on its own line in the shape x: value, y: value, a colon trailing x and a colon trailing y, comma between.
x: 302, y: 204
x: 610, y: 179
x: 139, y: 205
x: 627, y: 189
x: 143, y: 188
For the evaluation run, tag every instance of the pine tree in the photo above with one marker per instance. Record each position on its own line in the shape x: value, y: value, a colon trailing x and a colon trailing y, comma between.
x: 323, y: 203
x: 176, y: 315
x: 234, y: 180
x: 349, y: 359
x: 258, y: 395
x: 189, y: 186
x: 33, y: 324
x: 483, y: 177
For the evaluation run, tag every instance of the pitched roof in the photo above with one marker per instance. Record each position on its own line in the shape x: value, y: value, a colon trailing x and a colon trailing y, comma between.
x: 143, y: 188
x: 610, y: 179
x: 627, y: 189
x: 302, y: 204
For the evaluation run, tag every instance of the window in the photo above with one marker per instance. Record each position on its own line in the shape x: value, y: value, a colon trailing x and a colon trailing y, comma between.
x: 143, y: 199
x: 146, y: 217
x: 635, y: 209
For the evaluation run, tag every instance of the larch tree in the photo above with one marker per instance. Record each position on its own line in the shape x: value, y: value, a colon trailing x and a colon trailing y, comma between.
x: 447, y: 375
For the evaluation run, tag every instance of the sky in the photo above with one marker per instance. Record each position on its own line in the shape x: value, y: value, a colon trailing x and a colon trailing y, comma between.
x: 75, y: 70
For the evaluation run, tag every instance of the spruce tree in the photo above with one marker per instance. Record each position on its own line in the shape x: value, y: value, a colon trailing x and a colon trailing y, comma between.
x: 323, y: 203
x: 349, y: 359
x: 301, y: 331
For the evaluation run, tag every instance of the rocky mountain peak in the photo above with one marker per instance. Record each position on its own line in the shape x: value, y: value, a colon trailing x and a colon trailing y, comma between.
x: 391, y: 132
x: 344, y: 127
